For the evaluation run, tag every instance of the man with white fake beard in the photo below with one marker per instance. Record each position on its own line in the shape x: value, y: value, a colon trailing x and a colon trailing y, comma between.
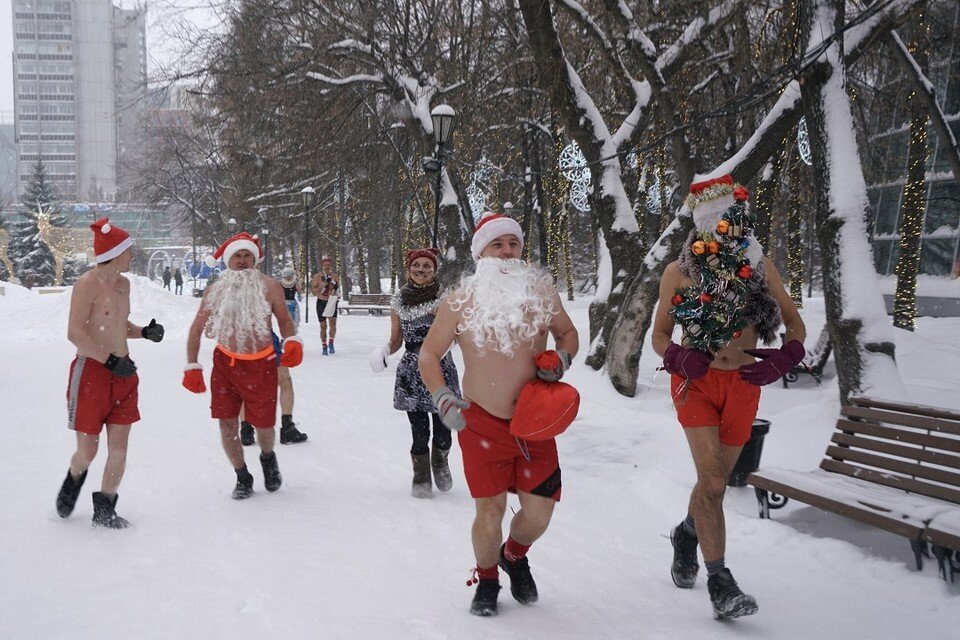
x: 236, y: 313
x: 500, y: 318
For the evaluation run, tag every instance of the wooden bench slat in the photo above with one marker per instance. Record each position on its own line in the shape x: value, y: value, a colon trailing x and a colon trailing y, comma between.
x: 944, y: 529
x: 899, y: 435
x: 862, y: 514
x: 893, y: 464
x: 881, y: 446
x: 898, y: 482
x: 919, y: 422
x: 918, y: 409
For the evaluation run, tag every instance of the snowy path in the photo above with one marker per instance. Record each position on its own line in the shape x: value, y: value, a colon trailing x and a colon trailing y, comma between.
x: 343, y: 551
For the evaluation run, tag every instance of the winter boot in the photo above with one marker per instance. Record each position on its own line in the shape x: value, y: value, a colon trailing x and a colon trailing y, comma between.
x: 330, y: 348
x: 69, y: 492
x: 289, y: 434
x: 324, y: 350
x: 522, y: 586
x: 485, y: 599
x: 244, y: 488
x: 728, y: 601
x: 441, y: 470
x: 684, y: 568
x: 105, y: 512
x: 422, y: 486
x: 246, y: 434
x: 271, y: 471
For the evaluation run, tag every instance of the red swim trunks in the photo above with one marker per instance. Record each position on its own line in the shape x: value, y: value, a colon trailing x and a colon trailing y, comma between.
x: 718, y: 399
x: 494, y: 462
x: 96, y: 397
x: 249, y: 382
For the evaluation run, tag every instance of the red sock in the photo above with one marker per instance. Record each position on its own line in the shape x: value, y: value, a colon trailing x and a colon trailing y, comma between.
x: 513, y: 550
x: 492, y: 573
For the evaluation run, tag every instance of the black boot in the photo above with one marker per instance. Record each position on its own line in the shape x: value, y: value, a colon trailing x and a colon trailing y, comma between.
x: 246, y: 434
x: 684, y: 568
x: 244, y: 488
x: 728, y: 601
x: 69, y: 492
x: 441, y: 470
x: 485, y: 599
x: 289, y: 434
x: 271, y: 471
x: 522, y: 586
x: 422, y: 485
x: 105, y: 512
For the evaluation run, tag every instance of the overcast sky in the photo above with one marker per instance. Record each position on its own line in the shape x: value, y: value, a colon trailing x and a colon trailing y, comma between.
x: 160, y: 16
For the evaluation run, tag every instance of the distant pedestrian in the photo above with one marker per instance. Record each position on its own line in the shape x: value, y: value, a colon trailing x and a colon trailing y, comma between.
x: 166, y: 278
x: 178, y: 282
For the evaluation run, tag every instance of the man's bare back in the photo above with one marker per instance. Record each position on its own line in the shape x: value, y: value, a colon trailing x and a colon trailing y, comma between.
x: 99, y: 312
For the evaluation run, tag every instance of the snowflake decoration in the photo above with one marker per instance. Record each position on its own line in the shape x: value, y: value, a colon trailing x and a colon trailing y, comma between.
x: 653, y: 196
x: 580, y: 195
x: 479, y: 188
x: 573, y: 164
x: 631, y: 160
x: 803, y: 142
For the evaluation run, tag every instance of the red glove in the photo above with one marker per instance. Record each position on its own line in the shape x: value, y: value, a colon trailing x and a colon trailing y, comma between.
x: 551, y: 365
x: 193, y: 378
x: 292, y: 352
x: 689, y: 363
x: 773, y: 363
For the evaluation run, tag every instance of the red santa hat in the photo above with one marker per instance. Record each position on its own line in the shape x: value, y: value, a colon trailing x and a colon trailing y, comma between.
x: 429, y: 253
x: 233, y: 244
x: 490, y: 228
x: 109, y: 241
x: 710, y: 199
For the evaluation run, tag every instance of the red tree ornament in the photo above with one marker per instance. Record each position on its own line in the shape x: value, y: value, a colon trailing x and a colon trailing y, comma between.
x: 676, y: 299
x: 705, y: 297
x: 741, y: 193
x: 737, y: 334
x: 745, y: 271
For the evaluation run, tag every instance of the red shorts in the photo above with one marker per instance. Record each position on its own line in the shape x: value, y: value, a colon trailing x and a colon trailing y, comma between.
x: 718, y: 399
x: 494, y: 462
x: 251, y: 383
x: 96, y: 397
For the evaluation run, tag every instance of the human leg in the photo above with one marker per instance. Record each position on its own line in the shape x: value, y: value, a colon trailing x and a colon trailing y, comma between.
x: 526, y: 527
x: 118, y: 437
x: 87, y: 445
x: 230, y: 440
x: 420, y: 454
x: 440, y: 452
x: 706, y: 500
x: 486, y: 535
x: 289, y: 434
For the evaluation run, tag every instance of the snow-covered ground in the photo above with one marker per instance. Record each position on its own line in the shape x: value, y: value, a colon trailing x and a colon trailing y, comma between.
x: 343, y: 551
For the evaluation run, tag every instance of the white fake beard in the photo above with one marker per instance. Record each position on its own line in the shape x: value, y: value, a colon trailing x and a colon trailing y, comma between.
x: 239, y: 311
x: 505, y: 304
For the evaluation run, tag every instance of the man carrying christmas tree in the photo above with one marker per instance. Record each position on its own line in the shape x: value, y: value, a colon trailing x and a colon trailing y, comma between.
x: 726, y: 296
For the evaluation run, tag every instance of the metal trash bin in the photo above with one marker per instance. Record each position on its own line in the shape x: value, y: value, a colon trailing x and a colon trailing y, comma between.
x: 749, y: 460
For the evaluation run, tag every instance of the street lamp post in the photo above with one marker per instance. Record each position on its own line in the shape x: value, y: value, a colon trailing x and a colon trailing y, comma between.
x: 508, y: 209
x: 307, y: 195
x: 231, y: 225
x: 265, y: 234
x: 442, y: 116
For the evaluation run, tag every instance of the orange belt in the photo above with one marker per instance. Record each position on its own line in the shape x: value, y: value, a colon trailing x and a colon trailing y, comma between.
x: 266, y: 352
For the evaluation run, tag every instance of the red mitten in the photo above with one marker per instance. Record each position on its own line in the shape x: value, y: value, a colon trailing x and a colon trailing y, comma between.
x: 292, y: 352
x: 551, y: 364
x: 193, y: 378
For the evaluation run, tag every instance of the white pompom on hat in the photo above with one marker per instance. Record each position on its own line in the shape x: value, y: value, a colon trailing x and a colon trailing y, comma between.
x: 491, y: 227
x: 233, y: 244
x: 109, y: 241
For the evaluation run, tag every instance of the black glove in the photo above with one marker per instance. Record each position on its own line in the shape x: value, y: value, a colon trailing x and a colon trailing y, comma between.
x: 121, y: 367
x: 153, y: 331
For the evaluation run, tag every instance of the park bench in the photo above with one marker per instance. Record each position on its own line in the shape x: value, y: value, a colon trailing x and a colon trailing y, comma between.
x: 890, y: 465
x: 814, y: 361
x: 372, y: 303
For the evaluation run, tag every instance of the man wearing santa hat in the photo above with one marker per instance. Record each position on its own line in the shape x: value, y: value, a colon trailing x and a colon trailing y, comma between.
x: 727, y: 295
x: 500, y: 318
x: 102, y: 388
x: 236, y: 312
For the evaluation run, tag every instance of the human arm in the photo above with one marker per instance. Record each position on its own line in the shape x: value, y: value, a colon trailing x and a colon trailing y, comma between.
x: 396, y: 334
x: 439, y: 340
x: 196, y: 330
x: 689, y: 363
x: 774, y: 363
x: 552, y: 364
x: 152, y: 331
x: 278, y: 307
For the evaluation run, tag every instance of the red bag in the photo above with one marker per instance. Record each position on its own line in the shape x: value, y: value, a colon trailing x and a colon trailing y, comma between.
x: 544, y: 410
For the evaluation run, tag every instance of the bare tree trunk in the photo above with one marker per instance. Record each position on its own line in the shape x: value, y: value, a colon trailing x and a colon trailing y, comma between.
x: 914, y: 192
x: 860, y: 334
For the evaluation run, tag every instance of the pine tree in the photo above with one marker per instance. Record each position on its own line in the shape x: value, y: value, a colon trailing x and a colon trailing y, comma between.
x: 33, y: 261
x: 41, y: 196
x: 73, y: 268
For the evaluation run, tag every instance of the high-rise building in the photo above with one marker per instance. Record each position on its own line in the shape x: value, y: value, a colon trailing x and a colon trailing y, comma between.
x: 79, y: 81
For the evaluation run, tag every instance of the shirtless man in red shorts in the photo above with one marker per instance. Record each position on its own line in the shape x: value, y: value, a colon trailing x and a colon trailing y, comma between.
x: 717, y: 394
x: 500, y: 318
x: 103, y: 381
x: 236, y: 312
